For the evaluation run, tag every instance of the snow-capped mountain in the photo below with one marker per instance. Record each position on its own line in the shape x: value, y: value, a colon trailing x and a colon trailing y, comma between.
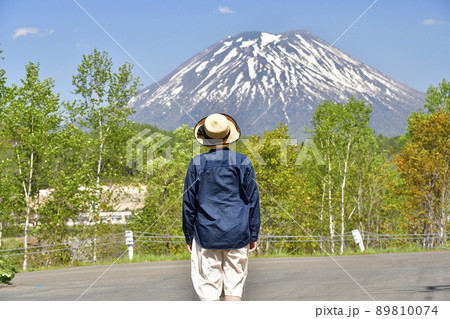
x: 262, y: 79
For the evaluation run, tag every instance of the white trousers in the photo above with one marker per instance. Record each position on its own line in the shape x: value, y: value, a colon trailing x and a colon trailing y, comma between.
x: 216, y: 271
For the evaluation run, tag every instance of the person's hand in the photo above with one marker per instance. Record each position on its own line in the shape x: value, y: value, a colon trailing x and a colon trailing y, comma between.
x: 189, y: 247
x: 252, y: 246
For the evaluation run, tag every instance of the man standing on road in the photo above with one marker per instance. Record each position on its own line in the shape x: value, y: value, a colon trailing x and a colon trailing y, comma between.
x: 221, y: 217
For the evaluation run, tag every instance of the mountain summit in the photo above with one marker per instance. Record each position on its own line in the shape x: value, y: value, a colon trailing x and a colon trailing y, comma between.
x: 262, y: 79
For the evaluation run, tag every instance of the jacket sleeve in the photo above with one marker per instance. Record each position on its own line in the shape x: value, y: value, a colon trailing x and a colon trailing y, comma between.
x: 251, y: 189
x: 189, y: 203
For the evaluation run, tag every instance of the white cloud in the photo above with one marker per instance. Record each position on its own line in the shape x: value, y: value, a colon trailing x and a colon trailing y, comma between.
x: 432, y: 21
x: 225, y: 10
x: 19, y: 32
x: 23, y: 32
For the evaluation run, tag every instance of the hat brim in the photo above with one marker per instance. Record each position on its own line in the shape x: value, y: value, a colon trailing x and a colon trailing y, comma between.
x: 235, y: 134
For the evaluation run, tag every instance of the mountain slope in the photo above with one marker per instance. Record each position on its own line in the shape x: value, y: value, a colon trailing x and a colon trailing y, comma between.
x: 262, y: 79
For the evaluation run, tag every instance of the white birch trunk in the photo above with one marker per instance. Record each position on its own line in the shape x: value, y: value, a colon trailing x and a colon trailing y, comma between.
x: 443, y: 219
x: 330, y: 209
x: 342, y: 196
x: 28, y: 209
x: 99, y: 167
x: 324, y: 187
x: 27, y: 193
x: 95, y: 211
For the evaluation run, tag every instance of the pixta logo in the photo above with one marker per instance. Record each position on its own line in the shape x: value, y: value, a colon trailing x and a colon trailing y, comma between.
x: 308, y: 151
x: 144, y: 145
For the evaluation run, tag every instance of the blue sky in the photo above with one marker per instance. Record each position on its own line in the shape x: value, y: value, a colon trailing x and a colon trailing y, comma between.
x: 408, y: 40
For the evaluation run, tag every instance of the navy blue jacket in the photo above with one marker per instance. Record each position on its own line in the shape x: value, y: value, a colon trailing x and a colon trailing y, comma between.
x: 221, y: 201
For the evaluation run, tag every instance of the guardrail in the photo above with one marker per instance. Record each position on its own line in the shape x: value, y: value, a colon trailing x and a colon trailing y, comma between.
x: 72, y: 245
x: 119, y: 240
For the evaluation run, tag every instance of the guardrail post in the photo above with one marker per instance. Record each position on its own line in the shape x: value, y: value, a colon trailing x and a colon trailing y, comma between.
x: 129, y: 242
x: 358, y: 239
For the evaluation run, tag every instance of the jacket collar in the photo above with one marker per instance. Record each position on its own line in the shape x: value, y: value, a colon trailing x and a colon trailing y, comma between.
x: 221, y: 149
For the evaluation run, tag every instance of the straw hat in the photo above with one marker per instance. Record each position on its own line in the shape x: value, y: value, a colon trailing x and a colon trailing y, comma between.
x: 217, y: 129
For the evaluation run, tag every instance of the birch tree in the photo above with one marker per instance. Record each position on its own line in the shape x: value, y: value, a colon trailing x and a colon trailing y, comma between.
x: 67, y: 188
x: 103, y: 110
x: 323, y: 121
x: 3, y: 145
x: 438, y: 98
x: 337, y: 128
x: 30, y: 116
x: 424, y: 163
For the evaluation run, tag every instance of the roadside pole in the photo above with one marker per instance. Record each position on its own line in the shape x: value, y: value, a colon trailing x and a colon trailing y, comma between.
x: 358, y: 239
x: 129, y: 242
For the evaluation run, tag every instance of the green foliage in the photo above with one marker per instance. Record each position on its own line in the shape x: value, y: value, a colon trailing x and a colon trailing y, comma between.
x: 438, y: 98
x: 68, y: 186
x: 7, y: 273
x: 68, y: 161
x: 2, y: 81
x: 424, y: 164
x: 162, y: 211
x: 278, y: 179
x: 30, y: 121
x: 103, y: 111
x: 390, y: 145
x: 343, y: 136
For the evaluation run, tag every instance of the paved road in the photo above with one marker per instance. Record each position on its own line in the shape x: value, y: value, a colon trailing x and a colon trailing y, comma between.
x: 409, y: 276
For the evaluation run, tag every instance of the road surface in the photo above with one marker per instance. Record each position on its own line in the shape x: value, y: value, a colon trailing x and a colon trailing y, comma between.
x: 405, y: 276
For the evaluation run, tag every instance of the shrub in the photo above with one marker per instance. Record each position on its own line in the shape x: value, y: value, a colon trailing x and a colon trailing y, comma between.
x: 7, y: 273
